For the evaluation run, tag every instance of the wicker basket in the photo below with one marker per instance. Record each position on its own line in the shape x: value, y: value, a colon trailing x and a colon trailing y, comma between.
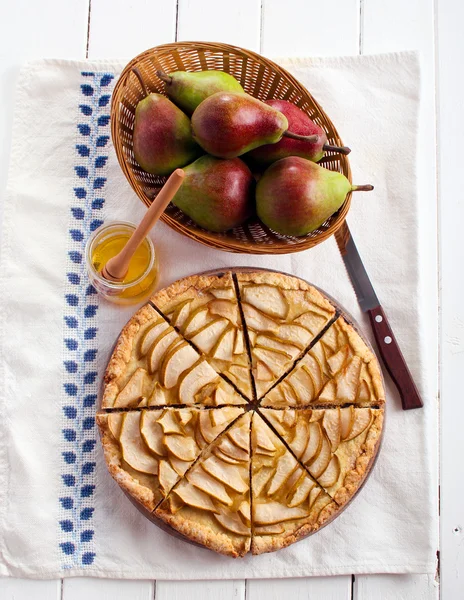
x: 259, y: 77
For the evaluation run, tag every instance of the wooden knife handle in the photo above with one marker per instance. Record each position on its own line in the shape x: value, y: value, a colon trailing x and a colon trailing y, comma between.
x: 393, y: 359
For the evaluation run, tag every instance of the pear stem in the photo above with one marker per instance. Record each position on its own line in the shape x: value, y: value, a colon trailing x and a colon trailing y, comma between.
x: 138, y: 74
x: 164, y: 77
x: 340, y: 149
x: 305, y: 138
x: 362, y: 188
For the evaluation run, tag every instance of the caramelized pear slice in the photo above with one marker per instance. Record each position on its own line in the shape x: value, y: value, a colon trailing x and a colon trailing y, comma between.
x: 179, y: 466
x: 152, y: 431
x: 228, y: 459
x: 332, y: 426
x: 300, y: 438
x: 313, y: 369
x: 245, y: 510
x: 262, y: 373
x: 224, y: 308
x: 226, y: 473
x: 269, y: 529
x: 313, y: 495
x: 239, y: 347
x: 260, y: 479
x: 184, y: 415
x: 346, y: 422
x: 362, y: 420
x: 194, y: 497
x: 223, y: 293
x: 273, y: 359
x: 330, y: 476
x: 266, y: 298
x: 348, y: 381
x: 183, y: 448
x: 168, y: 422
x: 257, y: 320
x: 181, y: 312
x: 115, y: 424
x: 314, y: 444
x: 151, y: 334
x: 133, y: 448
x: 206, y: 337
x: 157, y: 396
x: 196, y: 320
x: 241, y: 437
x: 286, y: 464
x: 179, y: 359
x: 232, y: 522
x: 337, y: 361
x: 167, y: 476
x: 159, y: 348
x: 230, y: 449
x: 301, y: 492
x: 208, y: 432
x: 209, y: 485
x: 364, y: 393
x: 320, y: 463
x: 224, y: 348
x: 271, y: 513
x: 194, y: 380
x: 302, y: 383
x: 132, y: 392
x: 312, y: 321
x: 294, y: 334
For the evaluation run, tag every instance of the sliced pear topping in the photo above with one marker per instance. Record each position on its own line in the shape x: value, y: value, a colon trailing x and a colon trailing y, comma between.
x: 314, y: 494
x: 266, y: 298
x: 302, y: 383
x: 226, y: 473
x: 222, y: 293
x: 240, y: 436
x: 151, y: 334
x: 193, y: 381
x: 197, y: 319
x: 169, y: 422
x: 314, y: 444
x: 363, y: 392
x: 332, y: 426
x: 313, y: 368
x: 209, y: 485
x: 313, y: 321
x: 194, y: 497
x: 320, y: 463
x: 207, y: 336
x: 346, y: 421
x: 230, y: 449
x: 228, y: 459
x: 152, y: 432
x: 175, y: 504
x: 269, y: 529
x: 209, y: 432
x: 115, y: 424
x: 245, y: 510
x: 319, y: 354
x: 224, y: 348
x: 263, y: 436
x: 179, y: 466
x: 294, y: 479
x: 269, y: 341
x: 179, y: 359
x: 337, y: 360
x: 285, y: 467
x: 330, y: 476
x: 260, y: 479
x: 238, y: 372
x: 133, y: 448
x: 167, y: 476
x: 184, y: 415
x: 233, y: 523
x: 220, y: 396
x: 218, y: 417
x: 257, y: 320
x: 143, y: 403
x: 274, y: 512
x: 181, y: 312
x: 275, y: 361
x: 301, y: 492
x: 362, y: 420
x: 159, y: 348
x: 262, y: 373
x: 224, y: 308
x: 239, y: 347
x: 289, y: 418
x: 348, y: 380
x: 132, y: 392
x: 184, y: 448
x: 329, y: 393
x: 295, y: 334
x: 157, y: 396
x: 300, y: 438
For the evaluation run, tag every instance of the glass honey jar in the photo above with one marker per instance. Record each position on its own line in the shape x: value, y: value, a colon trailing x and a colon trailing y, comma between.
x: 105, y: 243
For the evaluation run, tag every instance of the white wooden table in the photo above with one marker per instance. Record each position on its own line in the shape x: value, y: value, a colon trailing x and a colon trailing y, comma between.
x: 120, y: 29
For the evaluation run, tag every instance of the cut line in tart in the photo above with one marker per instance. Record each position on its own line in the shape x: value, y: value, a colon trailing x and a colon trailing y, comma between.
x: 283, y: 315
x: 241, y: 410
x: 204, y: 309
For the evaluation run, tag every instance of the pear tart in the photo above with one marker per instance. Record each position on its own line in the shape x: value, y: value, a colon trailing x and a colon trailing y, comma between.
x: 204, y: 309
x: 241, y: 410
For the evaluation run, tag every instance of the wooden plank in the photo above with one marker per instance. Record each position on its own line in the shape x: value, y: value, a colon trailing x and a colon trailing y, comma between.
x: 314, y: 588
x: 25, y: 589
x: 121, y: 29
x: 395, y: 587
x: 200, y: 590
x: 77, y: 588
x: 236, y: 23
x: 450, y: 49
x: 310, y: 28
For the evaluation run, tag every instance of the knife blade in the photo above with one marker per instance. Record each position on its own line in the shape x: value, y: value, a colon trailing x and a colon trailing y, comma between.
x: 389, y: 349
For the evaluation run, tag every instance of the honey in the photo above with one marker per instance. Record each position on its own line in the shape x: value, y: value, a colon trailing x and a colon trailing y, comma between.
x: 107, y: 242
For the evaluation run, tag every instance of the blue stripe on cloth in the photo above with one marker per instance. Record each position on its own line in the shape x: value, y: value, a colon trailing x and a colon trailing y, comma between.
x: 76, y: 535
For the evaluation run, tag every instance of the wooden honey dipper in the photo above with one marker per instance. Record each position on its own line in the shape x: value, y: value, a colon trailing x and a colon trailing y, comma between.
x: 116, y: 268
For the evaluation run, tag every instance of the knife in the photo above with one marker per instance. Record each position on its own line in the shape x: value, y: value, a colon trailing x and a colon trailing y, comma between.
x: 388, y: 347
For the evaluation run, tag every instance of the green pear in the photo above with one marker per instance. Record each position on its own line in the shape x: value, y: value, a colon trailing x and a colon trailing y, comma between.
x: 162, y: 136
x: 296, y: 196
x: 188, y: 90
x: 216, y: 194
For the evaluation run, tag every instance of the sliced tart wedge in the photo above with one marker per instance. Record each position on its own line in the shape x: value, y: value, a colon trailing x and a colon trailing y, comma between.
x: 148, y: 451
x: 211, y: 504
x: 283, y: 315
x: 336, y: 445
x: 287, y: 504
x: 204, y: 309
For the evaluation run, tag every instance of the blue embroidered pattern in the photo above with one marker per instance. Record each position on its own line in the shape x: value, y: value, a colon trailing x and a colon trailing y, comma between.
x: 80, y: 385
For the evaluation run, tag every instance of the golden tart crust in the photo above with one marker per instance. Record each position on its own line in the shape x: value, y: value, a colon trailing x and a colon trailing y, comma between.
x: 241, y: 410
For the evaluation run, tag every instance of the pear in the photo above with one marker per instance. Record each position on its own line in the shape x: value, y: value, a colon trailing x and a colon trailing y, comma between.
x: 298, y: 123
x: 216, y: 194
x: 295, y: 196
x: 188, y: 90
x: 162, y: 137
